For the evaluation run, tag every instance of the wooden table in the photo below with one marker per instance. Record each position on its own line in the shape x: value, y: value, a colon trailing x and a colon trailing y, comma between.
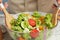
x: 1, y: 35
x: 6, y: 35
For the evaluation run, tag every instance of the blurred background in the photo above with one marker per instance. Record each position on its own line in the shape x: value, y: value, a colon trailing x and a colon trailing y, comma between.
x: 28, y: 6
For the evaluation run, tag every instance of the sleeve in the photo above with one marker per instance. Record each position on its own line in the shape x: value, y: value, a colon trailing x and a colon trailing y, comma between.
x: 5, y: 1
x: 55, y: 2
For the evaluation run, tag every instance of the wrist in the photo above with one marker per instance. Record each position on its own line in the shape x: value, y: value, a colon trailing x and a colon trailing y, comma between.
x: 1, y: 5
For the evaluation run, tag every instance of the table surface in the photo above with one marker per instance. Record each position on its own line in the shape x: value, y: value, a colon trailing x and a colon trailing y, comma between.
x: 6, y: 36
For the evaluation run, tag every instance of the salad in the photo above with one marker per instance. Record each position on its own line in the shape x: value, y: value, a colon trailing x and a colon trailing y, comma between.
x: 32, y: 26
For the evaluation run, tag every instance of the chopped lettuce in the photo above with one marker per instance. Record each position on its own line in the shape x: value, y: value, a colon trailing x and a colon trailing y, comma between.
x: 27, y: 36
x: 36, y: 14
x: 20, y: 18
x: 49, y: 25
x: 13, y: 22
x: 38, y: 23
x: 17, y: 28
x: 48, y: 19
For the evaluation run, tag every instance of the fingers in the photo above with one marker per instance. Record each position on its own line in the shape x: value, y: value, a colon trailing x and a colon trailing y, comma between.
x: 58, y: 1
x: 58, y: 17
x: 6, y: 5
x: 0, y: 9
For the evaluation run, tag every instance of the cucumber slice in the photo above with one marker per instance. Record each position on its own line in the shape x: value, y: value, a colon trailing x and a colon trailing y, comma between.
x: 22, y: 24
x: 25, y: 24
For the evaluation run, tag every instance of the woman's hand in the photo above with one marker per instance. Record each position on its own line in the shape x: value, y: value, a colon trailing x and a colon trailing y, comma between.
x: 5, y: 4
x: 58, y: 1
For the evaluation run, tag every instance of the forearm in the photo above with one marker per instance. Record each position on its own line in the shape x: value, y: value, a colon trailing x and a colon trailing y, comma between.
x: 0, y: 1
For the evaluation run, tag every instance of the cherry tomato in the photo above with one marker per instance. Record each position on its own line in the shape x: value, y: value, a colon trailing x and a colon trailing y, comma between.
x: 32, y: 22
x: 34, y: 33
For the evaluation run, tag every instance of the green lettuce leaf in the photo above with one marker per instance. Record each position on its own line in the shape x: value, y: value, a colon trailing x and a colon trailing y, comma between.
x: 36, y: 14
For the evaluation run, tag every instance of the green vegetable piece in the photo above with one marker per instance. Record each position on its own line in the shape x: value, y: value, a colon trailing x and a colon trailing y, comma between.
x: 38, y: 23
x: 17, y: 28
x: 27, y: 36
x: 49, y: 25
x: 48, y: 17
x: 36, y: 14
x: 41, y: 36
x: 25, y: 24
x: 13, y: 22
